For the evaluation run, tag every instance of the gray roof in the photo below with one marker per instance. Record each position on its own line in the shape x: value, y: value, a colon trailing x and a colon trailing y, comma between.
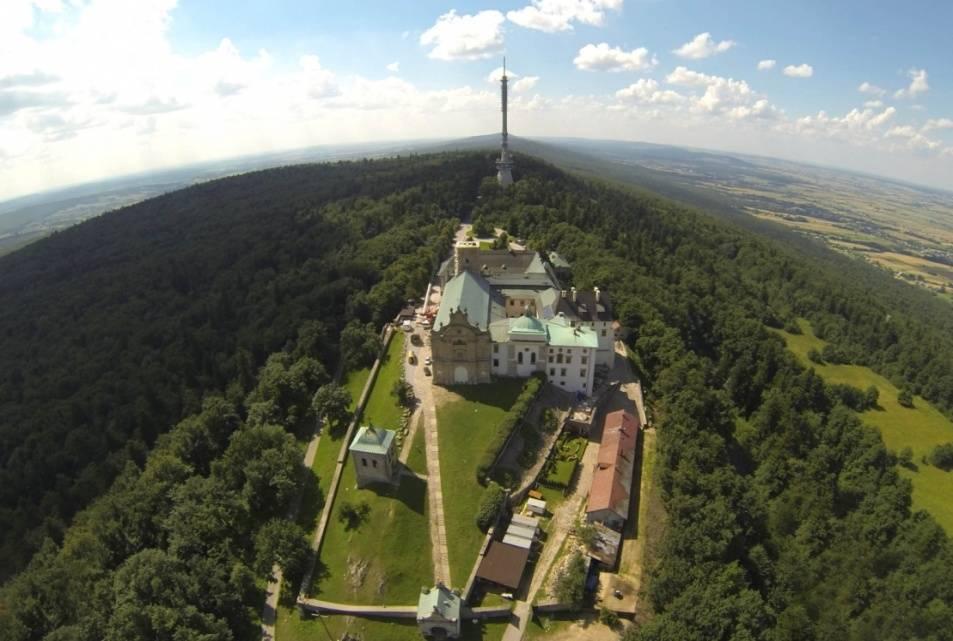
x: 372, y: 440
x: 586, y: 307
x: 438, y: 604
x: 469, y: 293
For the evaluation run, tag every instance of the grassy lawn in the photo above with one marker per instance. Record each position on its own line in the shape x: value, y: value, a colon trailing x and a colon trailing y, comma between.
x: 417, y: 458
x: 559, y: 478
x: 386, y: 558
x: 382, y: 409
x: 292, y: 626
x: 466, y: 419
x: 329, y: 447
x: 921, y: 428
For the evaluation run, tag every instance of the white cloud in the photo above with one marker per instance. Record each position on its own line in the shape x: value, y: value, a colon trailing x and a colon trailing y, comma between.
x: 318, y: 81
x: 938, y: 123
x: 517, y: 84
x: 723, y: 96
x: 465, y: 37
x: 873, y: 90
x: 525, y: 84
x: 558, y: 15
x: 393, y: 67
x: 803, y: 70
x: 602, y: 57
x: 646, y: 90
x: 913, y: 139
x: 874, y: 104
x: 687, y: 77
x: 918, y: 84
x: 765, y: 65
x: 703, y: 46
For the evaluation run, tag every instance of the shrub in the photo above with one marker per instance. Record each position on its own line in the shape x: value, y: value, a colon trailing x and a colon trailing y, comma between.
x: 792, y: 326
x: 571, y: 583
x: 491, y: 503
x: 353, y: 514
x: 905, y: 457
x: 872, y: 397
x: 506, y: 426
x: 905, y: 397
x: 942, y: 456
x: 815, y: 356
x: 608, y: 618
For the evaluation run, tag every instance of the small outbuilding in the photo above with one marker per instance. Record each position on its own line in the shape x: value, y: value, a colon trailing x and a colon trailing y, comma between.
x: 503, y: 564
x: 438, y: 612
x: 374, y: 456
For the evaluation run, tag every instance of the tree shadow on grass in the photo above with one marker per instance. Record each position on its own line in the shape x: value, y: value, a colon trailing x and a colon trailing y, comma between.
x: 501, y: 393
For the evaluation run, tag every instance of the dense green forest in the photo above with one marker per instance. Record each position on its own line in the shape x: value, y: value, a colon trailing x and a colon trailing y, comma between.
x: 787, y: 519
x: 112, y: 331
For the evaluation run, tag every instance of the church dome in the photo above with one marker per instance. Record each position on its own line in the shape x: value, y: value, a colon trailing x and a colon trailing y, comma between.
x: 526, y: 324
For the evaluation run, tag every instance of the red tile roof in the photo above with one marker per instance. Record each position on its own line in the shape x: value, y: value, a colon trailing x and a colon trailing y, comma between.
x: 612, y: 479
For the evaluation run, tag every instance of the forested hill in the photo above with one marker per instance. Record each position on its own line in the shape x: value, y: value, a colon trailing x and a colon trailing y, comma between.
x: 787, y: 518
x: 113, y: 330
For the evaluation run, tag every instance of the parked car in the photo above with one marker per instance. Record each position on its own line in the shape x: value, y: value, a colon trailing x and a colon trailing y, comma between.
x: 428, y: 361
x: 416, y: 340
x: 426, y: 371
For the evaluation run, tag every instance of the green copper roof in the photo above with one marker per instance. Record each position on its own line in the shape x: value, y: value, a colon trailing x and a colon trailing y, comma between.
x: 372, y: 440
x: 562, y: 335
x: 469, y: 293
x: 526, y: 325
x: 438, y: 603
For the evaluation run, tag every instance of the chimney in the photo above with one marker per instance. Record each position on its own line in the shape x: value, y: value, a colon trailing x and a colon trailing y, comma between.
x: 573, y: 292
x: 597, y: 293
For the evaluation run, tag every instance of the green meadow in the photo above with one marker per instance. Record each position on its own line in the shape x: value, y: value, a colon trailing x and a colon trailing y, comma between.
x: 920, y: 428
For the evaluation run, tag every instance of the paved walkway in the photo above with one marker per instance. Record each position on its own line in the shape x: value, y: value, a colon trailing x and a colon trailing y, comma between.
x: 423, y: 390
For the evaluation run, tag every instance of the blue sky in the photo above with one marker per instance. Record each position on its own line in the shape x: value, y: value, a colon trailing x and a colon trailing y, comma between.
x: 93, y: 88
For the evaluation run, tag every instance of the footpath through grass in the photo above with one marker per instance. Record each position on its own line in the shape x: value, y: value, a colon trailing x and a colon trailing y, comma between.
x: 467, y: 417
x: 920, y: 428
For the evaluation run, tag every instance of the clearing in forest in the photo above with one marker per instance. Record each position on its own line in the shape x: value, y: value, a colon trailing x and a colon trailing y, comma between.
x: 920, y: 428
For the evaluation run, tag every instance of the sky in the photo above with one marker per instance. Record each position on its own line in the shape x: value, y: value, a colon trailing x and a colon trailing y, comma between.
x: 91, y: 89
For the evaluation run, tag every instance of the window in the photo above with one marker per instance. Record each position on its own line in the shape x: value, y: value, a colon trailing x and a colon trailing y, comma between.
x: 496, y: 349
x: 496, y: 362
x: 562, y: 371
x: 559, y: 358
x: 363, y: 461
x: 375, y: 463
x: 519, y: 358
x: 569, y: 351
x: 550, y: 358
x: 568, y: 360
x: 532, y: 358
x: 552, y: 371
x: 603, y: 332
x: 585, y: 359
x: 582, y: 372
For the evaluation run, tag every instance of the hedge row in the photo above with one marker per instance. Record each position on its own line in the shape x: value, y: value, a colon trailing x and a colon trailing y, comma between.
x: 507, y: 424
